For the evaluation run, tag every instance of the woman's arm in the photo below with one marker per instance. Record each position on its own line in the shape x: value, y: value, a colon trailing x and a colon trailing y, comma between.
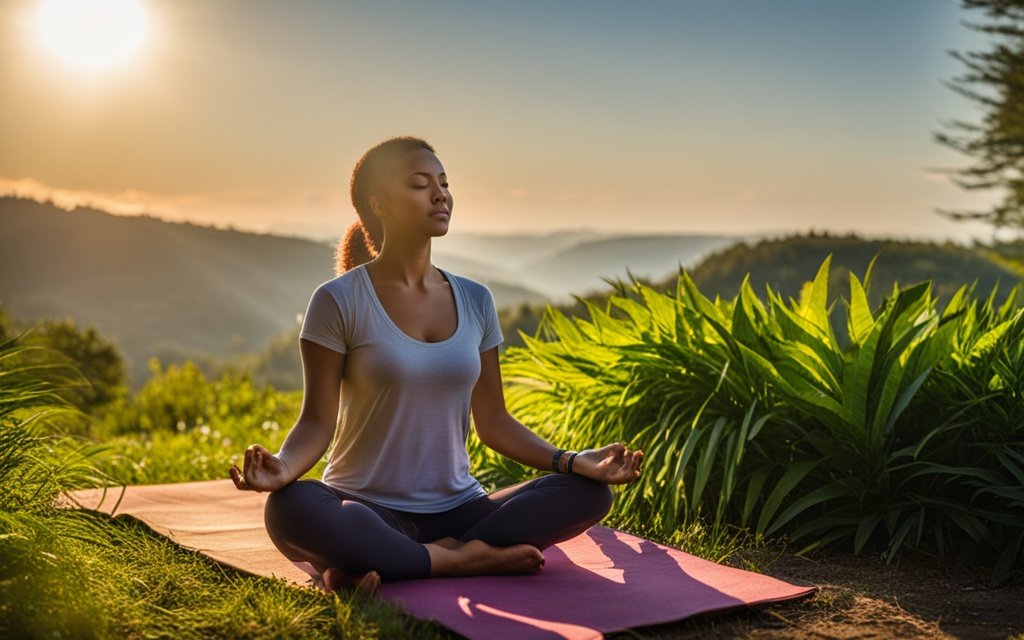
x: 307, y: 441
x: 496, y: 428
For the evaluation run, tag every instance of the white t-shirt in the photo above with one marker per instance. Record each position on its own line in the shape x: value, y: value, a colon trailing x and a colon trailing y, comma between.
x: 404, y: 412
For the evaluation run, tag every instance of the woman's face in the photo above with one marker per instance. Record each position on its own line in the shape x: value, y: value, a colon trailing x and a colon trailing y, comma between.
x: 414, y: 194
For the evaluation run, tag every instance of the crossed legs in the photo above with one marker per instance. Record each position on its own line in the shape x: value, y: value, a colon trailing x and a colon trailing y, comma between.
x: 307, y: 521
x: 540, y: 512
x: 502, y: 532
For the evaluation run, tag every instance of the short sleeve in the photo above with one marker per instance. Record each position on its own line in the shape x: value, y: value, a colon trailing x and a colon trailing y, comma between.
x: 492, y: 328
x: 323, y: 322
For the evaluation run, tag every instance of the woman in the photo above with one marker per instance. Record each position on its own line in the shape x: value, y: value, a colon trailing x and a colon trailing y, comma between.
x: 408, y: 350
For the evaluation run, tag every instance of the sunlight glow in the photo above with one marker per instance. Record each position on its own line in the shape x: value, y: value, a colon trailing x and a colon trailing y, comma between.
x: 92, y: 34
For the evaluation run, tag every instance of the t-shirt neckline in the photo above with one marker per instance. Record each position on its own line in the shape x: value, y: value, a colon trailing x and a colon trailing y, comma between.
x: 459, y: 310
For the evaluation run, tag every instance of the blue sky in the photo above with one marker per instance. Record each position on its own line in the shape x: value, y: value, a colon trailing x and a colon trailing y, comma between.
x: 717, y: 116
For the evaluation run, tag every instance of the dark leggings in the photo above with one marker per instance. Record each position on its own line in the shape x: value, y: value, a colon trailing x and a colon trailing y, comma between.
x: 311, y: 521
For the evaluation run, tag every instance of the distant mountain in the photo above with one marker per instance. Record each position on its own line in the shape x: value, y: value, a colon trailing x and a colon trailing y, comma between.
x: 169, y: 289
x: 578, y: 269
x: 151, y: 286
x: 177, y: 290
x: 513, y: 251
x: 180, y: 290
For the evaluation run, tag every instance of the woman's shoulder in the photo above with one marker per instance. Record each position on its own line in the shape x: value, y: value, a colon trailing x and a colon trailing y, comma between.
x: 341, y: 283
x: 477, y: 291
x: 341, y: 289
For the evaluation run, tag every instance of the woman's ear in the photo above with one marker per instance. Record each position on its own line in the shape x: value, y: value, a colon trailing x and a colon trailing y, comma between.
x: 377, y: 206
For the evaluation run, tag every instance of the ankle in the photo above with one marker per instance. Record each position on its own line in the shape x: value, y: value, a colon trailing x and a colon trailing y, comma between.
x: 443, y: 561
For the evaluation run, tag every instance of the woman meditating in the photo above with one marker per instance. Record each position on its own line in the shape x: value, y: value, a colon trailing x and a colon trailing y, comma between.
x: 395, y: 354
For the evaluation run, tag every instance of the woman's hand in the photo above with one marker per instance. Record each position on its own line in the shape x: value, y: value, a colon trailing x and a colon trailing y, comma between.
x: 263, y: 471
x: 613, y: 463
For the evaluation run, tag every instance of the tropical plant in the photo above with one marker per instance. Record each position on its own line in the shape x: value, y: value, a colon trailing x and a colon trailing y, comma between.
x: 751, y: 414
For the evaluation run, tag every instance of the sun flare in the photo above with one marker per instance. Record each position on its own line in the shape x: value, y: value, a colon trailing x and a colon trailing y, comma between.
x: 92, y: 34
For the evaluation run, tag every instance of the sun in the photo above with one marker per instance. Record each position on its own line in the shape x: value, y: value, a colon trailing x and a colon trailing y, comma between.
x: 92, y: 34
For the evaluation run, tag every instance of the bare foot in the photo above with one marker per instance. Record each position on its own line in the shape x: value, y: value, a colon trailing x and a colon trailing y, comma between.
x: 476, y: 557
x: 448, y: 543
x: 335, y: 579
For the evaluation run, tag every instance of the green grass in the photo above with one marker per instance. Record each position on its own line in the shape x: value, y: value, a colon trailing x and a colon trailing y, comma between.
x: 81, y: 574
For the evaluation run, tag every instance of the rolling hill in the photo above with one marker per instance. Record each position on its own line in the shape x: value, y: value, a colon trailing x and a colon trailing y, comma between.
x: 178, y: 290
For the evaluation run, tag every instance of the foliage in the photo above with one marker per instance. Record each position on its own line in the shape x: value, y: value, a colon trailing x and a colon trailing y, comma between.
x: 752, y: 414
x: 98, y: 359
x: 94, y: 371
x: 182, y: 394
x: 37, y: 462
x: 182, y: 427
x: 995, y: 142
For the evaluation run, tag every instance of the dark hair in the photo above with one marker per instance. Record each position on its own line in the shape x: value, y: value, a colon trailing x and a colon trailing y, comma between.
x: 364, y: 237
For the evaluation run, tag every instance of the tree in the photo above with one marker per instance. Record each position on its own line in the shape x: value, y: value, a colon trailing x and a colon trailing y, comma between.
x: 99, y: 360
x: 998, y: 142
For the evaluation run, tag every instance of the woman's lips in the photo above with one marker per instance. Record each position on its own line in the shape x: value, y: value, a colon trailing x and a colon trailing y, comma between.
x: 440, y: 213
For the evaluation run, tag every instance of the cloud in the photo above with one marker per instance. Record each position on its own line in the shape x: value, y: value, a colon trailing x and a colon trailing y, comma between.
x: 125, y: 202
x: 257, y: 209
x: 200, y: 208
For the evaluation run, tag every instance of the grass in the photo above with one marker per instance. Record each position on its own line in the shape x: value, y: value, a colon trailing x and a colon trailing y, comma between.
x: 86, y: 575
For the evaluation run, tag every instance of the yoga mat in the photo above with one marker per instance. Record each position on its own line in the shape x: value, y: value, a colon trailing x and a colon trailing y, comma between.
x: 601, y: 581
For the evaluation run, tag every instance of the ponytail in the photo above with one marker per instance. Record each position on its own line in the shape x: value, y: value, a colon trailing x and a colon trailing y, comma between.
x: 364, y: 238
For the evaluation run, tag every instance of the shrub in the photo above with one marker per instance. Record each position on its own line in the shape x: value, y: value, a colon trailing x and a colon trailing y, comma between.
x: 751, y: 414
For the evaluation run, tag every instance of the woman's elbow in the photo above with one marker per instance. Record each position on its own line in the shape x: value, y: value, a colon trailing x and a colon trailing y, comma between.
x: 488, y: 432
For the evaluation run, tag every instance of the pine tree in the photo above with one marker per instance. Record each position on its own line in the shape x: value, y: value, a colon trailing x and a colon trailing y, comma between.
x: 997, y: 144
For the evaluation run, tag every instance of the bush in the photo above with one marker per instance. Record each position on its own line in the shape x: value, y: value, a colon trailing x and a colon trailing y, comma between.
x: 182, y: 427
x: 751, y: 414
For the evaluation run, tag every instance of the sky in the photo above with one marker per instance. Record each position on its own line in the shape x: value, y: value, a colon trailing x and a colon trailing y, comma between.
x: 718, y: 116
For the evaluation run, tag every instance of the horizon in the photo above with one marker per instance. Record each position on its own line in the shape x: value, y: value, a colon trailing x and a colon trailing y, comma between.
x: 608, y: 233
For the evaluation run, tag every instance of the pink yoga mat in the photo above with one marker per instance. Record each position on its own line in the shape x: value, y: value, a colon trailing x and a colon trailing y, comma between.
x: 601, y: 581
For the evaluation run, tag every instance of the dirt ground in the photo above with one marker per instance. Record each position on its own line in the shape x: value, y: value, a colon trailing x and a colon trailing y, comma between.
x: 862, y: 597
